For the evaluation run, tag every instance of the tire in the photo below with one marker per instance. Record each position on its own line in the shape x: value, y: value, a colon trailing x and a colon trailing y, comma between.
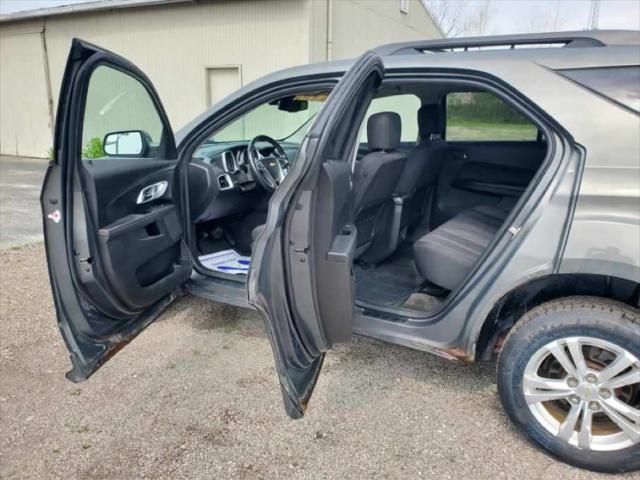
x: 588, y: 322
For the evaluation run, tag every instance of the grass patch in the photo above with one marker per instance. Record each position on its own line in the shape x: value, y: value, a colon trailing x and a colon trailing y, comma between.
x: 470, y: 130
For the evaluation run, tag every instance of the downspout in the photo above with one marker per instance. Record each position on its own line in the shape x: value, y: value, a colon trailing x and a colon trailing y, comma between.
x: 47, y: 78
x: 329, y: 30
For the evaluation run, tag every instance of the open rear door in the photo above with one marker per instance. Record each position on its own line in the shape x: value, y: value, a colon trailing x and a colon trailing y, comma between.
x: 111, y: 208
x: 301, y: 276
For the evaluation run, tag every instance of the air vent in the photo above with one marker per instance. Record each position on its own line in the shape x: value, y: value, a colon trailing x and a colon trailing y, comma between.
x: 225, y: 182
x: 229, y: 162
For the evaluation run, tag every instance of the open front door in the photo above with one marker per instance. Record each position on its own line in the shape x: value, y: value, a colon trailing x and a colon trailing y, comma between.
x: 111, y: 208
x: 301, y: 273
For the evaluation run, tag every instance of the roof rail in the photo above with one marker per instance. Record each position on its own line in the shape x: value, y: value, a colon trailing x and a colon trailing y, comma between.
x: 581, y: 38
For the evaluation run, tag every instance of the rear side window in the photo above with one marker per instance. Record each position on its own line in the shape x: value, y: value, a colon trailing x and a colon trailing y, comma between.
x: 618, y: 84
x: 482, y: 116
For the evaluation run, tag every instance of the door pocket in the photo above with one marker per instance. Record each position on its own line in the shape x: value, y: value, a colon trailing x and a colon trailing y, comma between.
x: 140, y: 252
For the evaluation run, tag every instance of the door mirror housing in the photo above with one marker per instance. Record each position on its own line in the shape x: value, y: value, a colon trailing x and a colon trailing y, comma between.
x: 132, y: 143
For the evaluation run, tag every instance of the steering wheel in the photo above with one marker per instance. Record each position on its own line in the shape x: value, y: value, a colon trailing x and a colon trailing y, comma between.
x: 269, y: 171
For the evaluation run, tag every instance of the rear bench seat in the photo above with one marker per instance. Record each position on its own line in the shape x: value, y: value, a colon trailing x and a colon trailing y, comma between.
x: 446, y: 255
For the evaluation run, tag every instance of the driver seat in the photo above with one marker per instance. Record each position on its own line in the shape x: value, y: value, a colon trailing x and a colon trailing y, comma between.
x: 375, y: 178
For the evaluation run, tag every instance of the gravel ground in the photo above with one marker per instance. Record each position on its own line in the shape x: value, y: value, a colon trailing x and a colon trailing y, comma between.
x: 196, y: 396
x: 20, y: 184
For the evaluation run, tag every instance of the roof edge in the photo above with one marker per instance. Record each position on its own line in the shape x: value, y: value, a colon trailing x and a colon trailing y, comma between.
x: 97, y: 5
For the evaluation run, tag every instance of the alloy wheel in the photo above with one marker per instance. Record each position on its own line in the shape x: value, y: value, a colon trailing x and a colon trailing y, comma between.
x: 586, y: 392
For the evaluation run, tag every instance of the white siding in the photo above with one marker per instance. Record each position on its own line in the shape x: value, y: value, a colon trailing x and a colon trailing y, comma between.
x: 24, y: 111
x: 359, y: 25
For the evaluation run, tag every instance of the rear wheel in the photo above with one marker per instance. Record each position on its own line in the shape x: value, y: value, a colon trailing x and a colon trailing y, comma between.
x: 569, y: 377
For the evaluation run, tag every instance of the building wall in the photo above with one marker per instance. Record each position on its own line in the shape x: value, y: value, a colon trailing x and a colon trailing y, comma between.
x: 190, y: 51
x: 359, y: 25
x: 24, y: 111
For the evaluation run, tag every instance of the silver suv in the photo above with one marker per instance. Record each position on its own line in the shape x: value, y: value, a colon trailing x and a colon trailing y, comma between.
x: 473, y: 198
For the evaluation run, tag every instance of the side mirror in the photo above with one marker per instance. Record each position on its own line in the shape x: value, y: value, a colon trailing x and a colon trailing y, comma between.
x: 132, y: 143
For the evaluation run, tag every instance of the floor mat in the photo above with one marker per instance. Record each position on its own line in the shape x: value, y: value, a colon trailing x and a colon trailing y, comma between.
x: 390, y: 283
x: 423, y: 303
x: 227, y: 261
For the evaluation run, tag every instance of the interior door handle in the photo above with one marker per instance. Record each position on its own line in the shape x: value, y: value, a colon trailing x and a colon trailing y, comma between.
x: 152, y: 192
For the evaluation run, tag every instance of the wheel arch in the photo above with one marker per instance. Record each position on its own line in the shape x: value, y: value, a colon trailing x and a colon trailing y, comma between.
x: 514, y: 304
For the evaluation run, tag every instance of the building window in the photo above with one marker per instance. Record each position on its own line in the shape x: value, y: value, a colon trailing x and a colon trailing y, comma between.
x: 404, y: 6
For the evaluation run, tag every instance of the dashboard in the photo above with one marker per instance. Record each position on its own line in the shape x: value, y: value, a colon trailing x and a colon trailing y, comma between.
x: 221, y: 182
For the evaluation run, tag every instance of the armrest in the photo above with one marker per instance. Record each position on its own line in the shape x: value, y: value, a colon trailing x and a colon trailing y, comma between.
x: 490, y: 188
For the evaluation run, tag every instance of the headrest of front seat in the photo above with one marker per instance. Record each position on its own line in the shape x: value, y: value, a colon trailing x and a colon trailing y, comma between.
x: 383, y: 131
x: 430, y: 121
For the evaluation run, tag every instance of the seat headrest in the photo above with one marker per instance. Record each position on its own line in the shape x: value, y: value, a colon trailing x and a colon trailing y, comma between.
x: 383, y: 131
x: 430, y: 121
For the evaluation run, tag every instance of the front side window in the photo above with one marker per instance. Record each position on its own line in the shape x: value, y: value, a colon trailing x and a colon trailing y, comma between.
x: 120, y: 118
x: 482, y: 116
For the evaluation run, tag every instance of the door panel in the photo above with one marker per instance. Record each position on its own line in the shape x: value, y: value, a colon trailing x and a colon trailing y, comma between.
x: 111, y: 208
x: 142, y: 256
x: 484, y: 173
x: 301, y: 271
x: 333, y: 236
x: 139, y: 243
x: 116, y: 184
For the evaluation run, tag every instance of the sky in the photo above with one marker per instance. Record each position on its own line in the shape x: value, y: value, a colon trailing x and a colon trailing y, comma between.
x: 504, y: 16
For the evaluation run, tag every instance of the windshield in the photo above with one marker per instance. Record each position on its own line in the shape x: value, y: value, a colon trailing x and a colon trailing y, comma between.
x: 274, y: 120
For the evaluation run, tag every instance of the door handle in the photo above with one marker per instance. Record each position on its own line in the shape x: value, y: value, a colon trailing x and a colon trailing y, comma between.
x: 152, y: 192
